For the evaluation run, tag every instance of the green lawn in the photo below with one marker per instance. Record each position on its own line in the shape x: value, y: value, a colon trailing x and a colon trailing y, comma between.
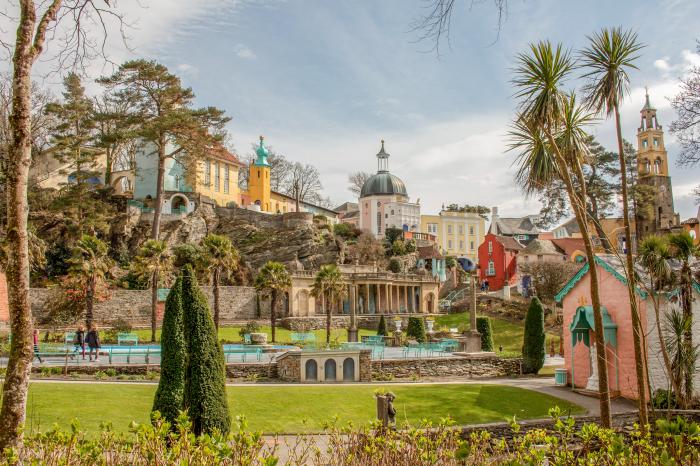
x: 505, y: 333
x: 289, y: 409
x: 282, y: 335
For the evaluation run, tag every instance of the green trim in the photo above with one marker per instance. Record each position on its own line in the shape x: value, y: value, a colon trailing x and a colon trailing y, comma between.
x: 579, y: 275
x: 582, y: 323
x: 696, y: 286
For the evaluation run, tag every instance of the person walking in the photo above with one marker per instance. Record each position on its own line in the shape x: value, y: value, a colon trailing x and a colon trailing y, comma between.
x: 36, y: 345
x: 93, y: 342
x: 80, y: 340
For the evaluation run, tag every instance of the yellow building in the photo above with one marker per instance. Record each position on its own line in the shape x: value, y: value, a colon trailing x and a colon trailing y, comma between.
x: 217, y: 177
x: 457, y: 233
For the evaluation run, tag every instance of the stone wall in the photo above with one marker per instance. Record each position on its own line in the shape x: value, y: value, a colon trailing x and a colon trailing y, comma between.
x: 237, y: 304
x: 243, y: 370
x: 442, y: 367
x: 289, y: 367
x: 318, y: 322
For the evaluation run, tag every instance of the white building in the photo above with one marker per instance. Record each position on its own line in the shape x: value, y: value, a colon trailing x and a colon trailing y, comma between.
x: 384, y: 202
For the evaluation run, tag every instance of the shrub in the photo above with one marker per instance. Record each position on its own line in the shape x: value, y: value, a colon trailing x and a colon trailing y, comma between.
x: 346, y: 231
x: 187, y: 253
x: 398, y: 247
x: 394, y: 266
x: 111, y: 372
x: 483, y: 326
x: 168, y: 400
x: 416, y: 329
x: 381, y: 328
x: 411, y: 246
x: 121, y: 325
x: 248, y: 328
x: 205, y: 378
x: 534, y: 338
x: 664, y: 399
x: 393, y: 234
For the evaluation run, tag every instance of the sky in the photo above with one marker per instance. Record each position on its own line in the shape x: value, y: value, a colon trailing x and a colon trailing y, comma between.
x: 325, y: 81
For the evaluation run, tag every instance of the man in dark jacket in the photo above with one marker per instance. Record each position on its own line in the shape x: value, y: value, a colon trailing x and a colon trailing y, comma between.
x: 93, y: 342
x: 80, y: 340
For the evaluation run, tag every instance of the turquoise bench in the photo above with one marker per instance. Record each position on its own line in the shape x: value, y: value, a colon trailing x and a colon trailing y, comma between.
x: 303, y: 338
x: 416, y: 348
x: 246, y: 339
x: 130, y: 338
x: 244, y: 352
x: 450, y: 344
x: 69, y: 338
x: 130, y: 352
x: 373, y: 339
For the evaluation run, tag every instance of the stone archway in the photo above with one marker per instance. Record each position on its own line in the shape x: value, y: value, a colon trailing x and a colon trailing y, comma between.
x: 430, y: 303
x: 122, y: 185
x: 330, y: 370
x: 349, y: 370
x: 179, y: 204
x: 311, y: 371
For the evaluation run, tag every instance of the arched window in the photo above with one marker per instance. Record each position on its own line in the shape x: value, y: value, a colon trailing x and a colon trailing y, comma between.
x: 348, y: 370
x: 329, y: 369
x: 657, y: 166
x: 492, y: 268
x: 311, y: 370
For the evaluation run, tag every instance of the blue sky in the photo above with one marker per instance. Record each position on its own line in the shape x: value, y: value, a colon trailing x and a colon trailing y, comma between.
x: 325, y: 80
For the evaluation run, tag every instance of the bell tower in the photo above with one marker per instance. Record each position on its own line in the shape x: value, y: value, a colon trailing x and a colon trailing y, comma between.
x: 657, y: 215
x: 259, y: 178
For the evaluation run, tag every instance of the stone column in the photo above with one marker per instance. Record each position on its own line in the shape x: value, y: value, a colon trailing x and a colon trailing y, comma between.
x: 419, y: 289
x: 366, y: 298
x: 352, y: 331
x: 388, y: 298
x: 378, y: 300
x: 405, y: 298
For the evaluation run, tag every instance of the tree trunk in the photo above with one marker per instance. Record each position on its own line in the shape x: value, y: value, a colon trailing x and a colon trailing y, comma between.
x: 329, y: 310
x: 154, y: 305
x: 19, y: 365
x: 155, y: 230
x: 108, y: 165
x: 90, y: 302
x: 579, y: 207
x: 273, y: 317
x: 216, y: 298
x: 686, y: 302
x: 637, y: 330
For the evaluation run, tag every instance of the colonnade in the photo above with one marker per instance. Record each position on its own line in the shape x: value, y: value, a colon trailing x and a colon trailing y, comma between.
x: 384, y: 298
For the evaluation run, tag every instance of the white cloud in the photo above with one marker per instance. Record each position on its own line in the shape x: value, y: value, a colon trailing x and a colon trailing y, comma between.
x: 244, y: 52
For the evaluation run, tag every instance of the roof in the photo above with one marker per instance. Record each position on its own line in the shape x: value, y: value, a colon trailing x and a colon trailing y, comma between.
x: 220, y: 152
x: 347, y: 207
x: 383, y: 183
x: 351, y: 214
x: 514, y: 226
x: 571, y: 226
x: 510, y: 243
x: 569, y: 245
x: 330, y: 211
x: 542, y: 247
x: 429, y: 252
x: 690, y: 221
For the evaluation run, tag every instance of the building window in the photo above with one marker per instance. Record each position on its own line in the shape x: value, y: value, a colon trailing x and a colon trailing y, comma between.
x: 657, y: 166
x: 656, y: 142
x: 449, y: 229
x: 432, y: 227
x: 217, y: 175
x: 471, y: 245
x: 461, y: 230
x: 491, y: 271
x: 207, y: 173
x: 392, y: 211
x: 386, y: 215
x: 449, y: 244
x: 490, y: 247
x: 645, y: 143
x: 226, y: 178
x: 379, y: 222
x: 471, y: 231
x: 461, y: 245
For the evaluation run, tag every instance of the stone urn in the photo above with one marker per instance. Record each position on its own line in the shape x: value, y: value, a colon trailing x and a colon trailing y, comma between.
x: 430, y: 323
x: 258, y: 338
x: 398, y: 323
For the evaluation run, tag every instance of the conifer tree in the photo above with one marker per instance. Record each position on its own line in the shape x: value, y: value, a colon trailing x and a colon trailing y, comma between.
x: 483, y: 326
x: 533, y: 340
x: 416, y: 329
x: 381, y: 328
x: 173, y: 358
x: 205, y: 382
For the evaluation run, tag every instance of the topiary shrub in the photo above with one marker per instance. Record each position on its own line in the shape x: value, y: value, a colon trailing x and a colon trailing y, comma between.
x: 205, y: 380
x: 416, y: 329
x: 483, y: 326
x: 381, y: 328
x: 534, y: 338
x: 394, y: 266
x: 169, y: 396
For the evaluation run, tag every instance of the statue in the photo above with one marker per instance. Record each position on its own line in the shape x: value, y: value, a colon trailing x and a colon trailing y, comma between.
x: 391, y: 411
x: 592, y: 383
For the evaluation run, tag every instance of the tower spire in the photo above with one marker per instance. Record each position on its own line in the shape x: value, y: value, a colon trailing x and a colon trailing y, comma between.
x: 382, y: 159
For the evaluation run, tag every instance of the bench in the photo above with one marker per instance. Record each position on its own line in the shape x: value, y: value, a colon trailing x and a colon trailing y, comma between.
x: 244, y: 352
x: 450, y: 344
x: 373, y: 339
x: 246, y: 339
x: 303, y: 338
x: 69, y: 339
x: 417, y: 349
x: 130, y: 338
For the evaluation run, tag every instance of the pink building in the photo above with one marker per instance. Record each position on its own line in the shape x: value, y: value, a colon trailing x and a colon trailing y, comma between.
x: 579, y: 336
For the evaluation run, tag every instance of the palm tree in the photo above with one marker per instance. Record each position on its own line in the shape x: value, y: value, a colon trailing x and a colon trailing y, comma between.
x: 330, y: 286
x: 89, y: 265
x: 153, y: 264
x: 607, y: 59
x: 684, y: 357
x: 653, y: 255
x: 221, y: 258
x: 273, y: 278
x: 684, y: 250
x: 548, y: 133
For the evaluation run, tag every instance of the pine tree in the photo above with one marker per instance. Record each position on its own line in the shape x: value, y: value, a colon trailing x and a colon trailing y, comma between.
x: 533, y: 340
x: 169, y: 396
x: 483, y: 326
x: 416, y: 329
x: 381, y: 328
x: 205, y: 381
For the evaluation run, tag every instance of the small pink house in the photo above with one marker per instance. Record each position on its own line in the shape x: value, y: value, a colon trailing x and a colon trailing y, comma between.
x: 579, y: 336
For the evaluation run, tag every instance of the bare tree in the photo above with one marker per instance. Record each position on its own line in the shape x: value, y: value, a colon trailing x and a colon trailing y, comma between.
x: 279, y: 169
x: 35, y: 24
x: 304, y: 184
x: 356, y: 180
x: 687, y: 127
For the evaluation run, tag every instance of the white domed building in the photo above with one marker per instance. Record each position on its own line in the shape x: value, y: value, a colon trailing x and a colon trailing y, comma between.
x: 384, y: 201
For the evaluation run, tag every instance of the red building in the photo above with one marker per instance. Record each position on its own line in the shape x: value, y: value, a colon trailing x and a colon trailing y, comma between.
x: 498, y: 260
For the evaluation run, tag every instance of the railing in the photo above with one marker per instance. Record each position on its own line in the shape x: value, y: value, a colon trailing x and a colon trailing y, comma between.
x: 373, y: 276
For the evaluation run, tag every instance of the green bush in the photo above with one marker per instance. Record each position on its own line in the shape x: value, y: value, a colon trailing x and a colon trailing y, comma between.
x: 483, y: 326
x: 664, y: 399
x: 168, y: 400
x: 205, y: 378
x: 393, y: 234
x: 398, y: 247
x: 248, y: 328
x: 411, y: 246
x: 381, y: 328
x: 394, y: 266
x: 534, y: 338
x: 187, y: 253
x: 416, y: 329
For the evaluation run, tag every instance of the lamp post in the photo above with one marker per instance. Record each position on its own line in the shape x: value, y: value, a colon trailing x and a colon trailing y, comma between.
x: 472, y: 317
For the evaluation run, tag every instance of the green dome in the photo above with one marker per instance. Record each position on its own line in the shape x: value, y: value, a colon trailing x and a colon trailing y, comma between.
x: 262, y: 153
x: 383, y: 183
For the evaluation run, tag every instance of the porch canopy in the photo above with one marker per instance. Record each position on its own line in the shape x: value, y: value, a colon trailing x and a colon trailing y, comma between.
x: 583, y: 322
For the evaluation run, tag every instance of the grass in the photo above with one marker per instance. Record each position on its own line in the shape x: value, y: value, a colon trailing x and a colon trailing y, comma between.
x: 505, y: 333
x: 282, y: 335
x: 284, y: 409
